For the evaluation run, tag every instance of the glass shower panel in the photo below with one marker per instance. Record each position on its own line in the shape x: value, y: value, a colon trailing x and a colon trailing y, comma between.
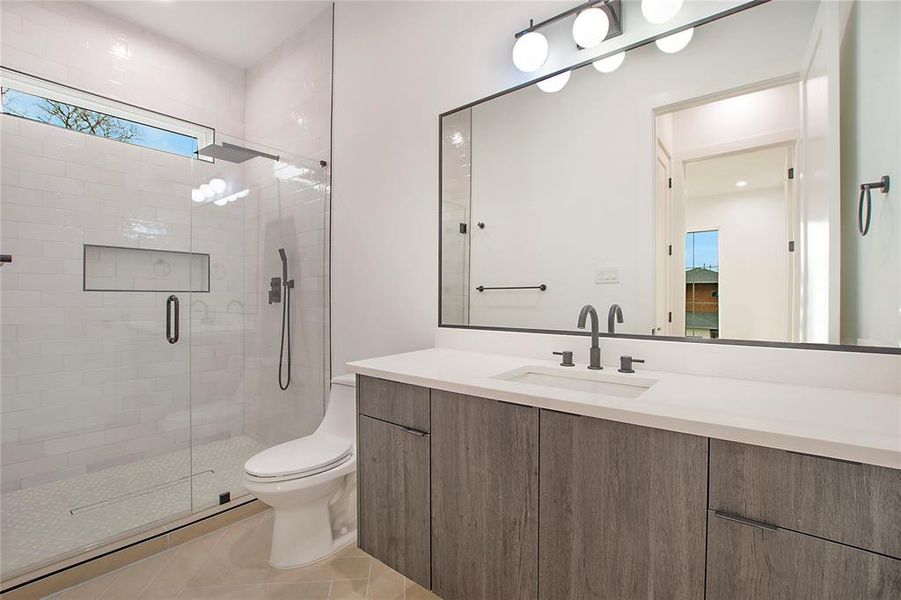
x: 95, y: 400
x: 251, y: 210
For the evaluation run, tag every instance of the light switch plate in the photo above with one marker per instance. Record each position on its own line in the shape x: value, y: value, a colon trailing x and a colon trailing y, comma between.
x: 606, y: 275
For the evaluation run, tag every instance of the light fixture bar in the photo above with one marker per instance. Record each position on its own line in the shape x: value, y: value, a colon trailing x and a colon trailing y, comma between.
x: 611, y: 7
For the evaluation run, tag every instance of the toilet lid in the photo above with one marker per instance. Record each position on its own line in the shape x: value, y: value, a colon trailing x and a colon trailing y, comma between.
x: 311, y: 453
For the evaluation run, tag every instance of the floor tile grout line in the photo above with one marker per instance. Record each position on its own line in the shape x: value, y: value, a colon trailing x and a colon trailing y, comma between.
x: 175, y: 551
x: 222, y: 531
x: 369, y: 579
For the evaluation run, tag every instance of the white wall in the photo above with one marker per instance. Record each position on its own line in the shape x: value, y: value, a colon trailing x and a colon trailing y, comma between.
x: 397, y: 66
x: 871, y: 148
x: 740, y: 118
x: 753, y: 264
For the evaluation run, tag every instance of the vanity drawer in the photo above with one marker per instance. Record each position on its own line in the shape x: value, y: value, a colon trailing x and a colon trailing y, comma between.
x: 847, y: 502
x: 399, y: 403
x: 753, y: 562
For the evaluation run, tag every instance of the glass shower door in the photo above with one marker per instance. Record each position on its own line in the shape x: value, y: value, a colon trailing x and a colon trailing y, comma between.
x: 95, y: 401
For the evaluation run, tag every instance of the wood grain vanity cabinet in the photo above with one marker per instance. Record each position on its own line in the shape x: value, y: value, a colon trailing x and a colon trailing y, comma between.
x: 851, y: 503
x: 393, y: 487
x: 623, y: 510
x: 751, y: 562
x: 794, y: 526
x: 484, y: 498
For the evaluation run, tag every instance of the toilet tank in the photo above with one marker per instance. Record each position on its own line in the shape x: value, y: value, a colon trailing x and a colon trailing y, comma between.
x: 340, y: 414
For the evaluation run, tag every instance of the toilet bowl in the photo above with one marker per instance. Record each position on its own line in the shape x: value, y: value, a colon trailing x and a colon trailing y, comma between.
x: 302, y: 480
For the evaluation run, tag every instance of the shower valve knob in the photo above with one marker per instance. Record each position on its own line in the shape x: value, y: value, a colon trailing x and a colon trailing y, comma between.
x: 275, y: 290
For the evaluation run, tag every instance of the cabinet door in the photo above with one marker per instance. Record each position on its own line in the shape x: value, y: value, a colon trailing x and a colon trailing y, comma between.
x: 623, y: 511
x: 751, y: 562
x: 858, y: 505
x: 393, y: 480
x: 484, y: 499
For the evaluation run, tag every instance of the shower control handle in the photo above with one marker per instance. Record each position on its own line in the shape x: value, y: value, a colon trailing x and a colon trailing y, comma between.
x: 275, y: 290
x: 171, y: 302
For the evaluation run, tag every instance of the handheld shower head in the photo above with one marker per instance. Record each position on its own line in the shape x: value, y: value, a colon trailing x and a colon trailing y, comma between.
x: 284, y: 257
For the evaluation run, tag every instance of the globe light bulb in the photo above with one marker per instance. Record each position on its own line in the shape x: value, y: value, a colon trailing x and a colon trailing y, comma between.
x: 218, y: 185
x: 660, y: 11
x: 590, y: 27
x: 609, y: 64
x: 675, y: 42
x: 197, y: 195
x: 207, y: 190
x: 530, y: 52
x: 555, y: 83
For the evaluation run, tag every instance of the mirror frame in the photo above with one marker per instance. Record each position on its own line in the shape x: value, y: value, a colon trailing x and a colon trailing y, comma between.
x: 632, y: 336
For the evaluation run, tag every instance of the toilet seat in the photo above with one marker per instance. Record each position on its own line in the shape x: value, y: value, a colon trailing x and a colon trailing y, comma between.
x: 299, y: 458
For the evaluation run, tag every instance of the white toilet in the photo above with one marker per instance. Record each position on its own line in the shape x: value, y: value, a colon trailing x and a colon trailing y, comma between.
x: 303, y: 478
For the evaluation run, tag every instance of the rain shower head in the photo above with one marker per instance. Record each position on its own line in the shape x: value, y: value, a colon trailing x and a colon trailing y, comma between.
x: 231, y: 153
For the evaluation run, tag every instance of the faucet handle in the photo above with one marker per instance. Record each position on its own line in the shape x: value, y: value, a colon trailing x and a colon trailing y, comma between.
x: 567, y: 360
x: 625, y: 363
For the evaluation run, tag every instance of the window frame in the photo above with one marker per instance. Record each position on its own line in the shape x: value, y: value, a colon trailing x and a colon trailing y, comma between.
x: 43, y: 88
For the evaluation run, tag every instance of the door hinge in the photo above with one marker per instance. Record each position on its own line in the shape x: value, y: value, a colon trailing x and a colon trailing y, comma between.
x: 791, y: 246
x: 669, y: 250
x: 462, y: 227
x: 791, y: 173
x: 669, y: 318
x: 669, y: 183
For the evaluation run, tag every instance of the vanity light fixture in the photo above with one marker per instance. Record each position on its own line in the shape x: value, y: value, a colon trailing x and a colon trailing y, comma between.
x: 609, y: 64
x: 596, y: 21
x: 530, y: 52
x: 660, y: 11
x: 590, y: 27
x: 554, y: 84
x: 676, y: 41
x: 741, y: 183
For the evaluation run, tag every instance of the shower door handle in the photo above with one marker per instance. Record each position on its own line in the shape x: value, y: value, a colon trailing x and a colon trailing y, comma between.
x: 171, y: 301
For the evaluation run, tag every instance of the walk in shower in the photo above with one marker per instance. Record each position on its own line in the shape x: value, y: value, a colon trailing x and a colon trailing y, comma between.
x: 140, y: 352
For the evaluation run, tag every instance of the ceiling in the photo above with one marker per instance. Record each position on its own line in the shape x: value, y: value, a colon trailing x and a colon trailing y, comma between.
x: 757, y: 168
x: 239, y: 32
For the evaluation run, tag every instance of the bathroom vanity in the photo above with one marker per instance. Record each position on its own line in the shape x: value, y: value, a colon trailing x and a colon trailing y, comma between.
x: 486, y: 476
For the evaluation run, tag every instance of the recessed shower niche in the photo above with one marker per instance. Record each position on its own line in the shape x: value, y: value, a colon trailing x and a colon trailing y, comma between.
x: 118, y: 269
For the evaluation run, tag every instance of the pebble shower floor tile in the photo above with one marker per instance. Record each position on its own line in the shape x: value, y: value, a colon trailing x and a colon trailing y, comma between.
x: 49, y: 521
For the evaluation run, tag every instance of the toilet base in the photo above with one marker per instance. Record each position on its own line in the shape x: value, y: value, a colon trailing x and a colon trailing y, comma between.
x: 301, y: 534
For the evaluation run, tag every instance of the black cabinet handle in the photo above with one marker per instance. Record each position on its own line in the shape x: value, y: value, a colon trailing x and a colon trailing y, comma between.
x: 170, y: 302
x: 745, y: 521
x: 414, y: 431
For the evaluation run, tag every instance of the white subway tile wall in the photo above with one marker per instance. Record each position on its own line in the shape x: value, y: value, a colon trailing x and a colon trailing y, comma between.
x: 89, y: 381
x: 88, y: 375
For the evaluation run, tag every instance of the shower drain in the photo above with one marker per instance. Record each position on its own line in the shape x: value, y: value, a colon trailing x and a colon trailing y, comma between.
x: 148, y: 490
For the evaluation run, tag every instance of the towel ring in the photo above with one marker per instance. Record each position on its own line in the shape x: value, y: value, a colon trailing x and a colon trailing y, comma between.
x: 863, y: 225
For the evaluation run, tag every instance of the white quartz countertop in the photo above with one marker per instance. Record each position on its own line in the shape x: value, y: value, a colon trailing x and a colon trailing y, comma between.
x: 850, y: 425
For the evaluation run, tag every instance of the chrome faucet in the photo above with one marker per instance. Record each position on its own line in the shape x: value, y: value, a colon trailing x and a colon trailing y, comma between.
x: 615, y: 311
x: 594, y: 357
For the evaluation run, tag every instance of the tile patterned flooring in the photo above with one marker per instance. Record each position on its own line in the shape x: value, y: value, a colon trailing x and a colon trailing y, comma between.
x: 37, y: 523
x: 232, y: 563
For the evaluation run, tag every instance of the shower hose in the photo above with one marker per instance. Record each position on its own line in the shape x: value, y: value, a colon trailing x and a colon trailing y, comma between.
x: 286, y: 325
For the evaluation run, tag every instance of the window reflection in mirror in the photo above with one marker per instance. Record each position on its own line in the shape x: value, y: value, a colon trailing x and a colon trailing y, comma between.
x: 598, y: 190
x: 702, y: 312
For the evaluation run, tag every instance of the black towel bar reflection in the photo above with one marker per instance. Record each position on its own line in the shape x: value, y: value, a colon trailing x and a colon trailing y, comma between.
x: 863, y: 223
x: 541, y: 287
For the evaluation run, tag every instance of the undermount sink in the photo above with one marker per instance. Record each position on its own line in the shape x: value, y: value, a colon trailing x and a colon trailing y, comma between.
x: 581, y: 380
